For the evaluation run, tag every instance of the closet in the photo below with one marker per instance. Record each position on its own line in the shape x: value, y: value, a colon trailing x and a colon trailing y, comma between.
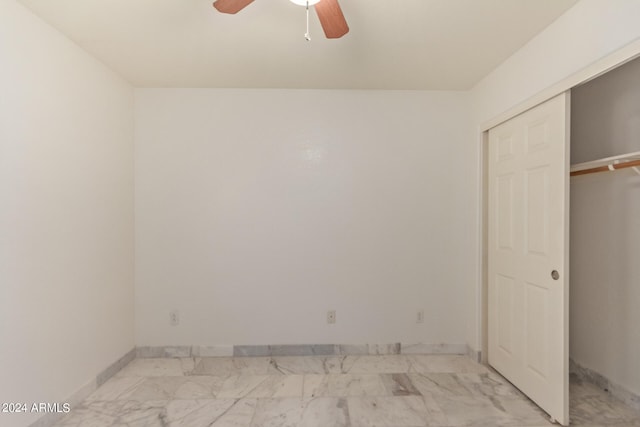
x: 554, y: 307
x: 604, y: 303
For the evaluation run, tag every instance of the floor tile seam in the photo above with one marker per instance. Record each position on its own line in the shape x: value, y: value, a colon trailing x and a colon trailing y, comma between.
x: 305, y: 378
x: 253, y: 416
x: 353, y: 398
x: 164, y: 410
x: 235, y: 402
x: 240, y: 373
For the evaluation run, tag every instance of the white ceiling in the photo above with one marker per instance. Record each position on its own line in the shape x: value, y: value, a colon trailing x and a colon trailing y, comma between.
x: 393, y: 44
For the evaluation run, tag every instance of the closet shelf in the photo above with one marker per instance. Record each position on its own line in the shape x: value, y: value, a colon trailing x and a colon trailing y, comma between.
x: 629, y: 160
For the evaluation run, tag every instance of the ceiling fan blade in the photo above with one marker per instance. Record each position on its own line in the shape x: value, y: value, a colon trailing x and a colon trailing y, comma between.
x: 331, y: 19
x: 231, y: 6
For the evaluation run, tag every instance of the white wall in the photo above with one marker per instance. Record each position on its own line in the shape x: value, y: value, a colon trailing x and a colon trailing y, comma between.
x: 259, y: 210
x: 66, y: 214
x: 605, y: 230
x: 589, y: 31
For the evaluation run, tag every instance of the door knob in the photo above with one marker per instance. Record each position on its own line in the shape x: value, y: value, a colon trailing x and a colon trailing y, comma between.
x: 555, y: 275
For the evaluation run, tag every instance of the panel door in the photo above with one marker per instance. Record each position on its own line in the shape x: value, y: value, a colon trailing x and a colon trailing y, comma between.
x: 528, y: 254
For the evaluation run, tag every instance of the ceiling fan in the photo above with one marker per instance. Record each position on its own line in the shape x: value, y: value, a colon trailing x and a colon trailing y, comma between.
x: 328, y: 11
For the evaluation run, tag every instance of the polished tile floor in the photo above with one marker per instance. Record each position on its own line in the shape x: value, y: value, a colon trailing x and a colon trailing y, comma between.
x: 389, y: 391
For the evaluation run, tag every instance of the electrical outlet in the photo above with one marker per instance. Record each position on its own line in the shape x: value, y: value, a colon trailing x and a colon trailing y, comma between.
x: 420, y: 316
x: 174, y: 318
x: 331, y: 316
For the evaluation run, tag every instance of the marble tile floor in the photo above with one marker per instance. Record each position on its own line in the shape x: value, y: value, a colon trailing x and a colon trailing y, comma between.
x: 330, y: 391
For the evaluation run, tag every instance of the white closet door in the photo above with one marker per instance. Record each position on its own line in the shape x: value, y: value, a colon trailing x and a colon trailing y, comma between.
x: 528, y: 254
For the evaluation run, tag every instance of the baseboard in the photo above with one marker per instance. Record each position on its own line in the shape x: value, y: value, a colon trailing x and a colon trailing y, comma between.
x: 475, y: 355
x: 81, y: 394
x: 298, y: 350
x: 613, y: 389
x: 440, y: 348
x: 115, y: 367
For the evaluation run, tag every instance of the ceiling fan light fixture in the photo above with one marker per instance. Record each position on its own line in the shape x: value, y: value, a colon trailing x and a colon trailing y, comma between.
x: 304, y: 2
x: 329, y: 14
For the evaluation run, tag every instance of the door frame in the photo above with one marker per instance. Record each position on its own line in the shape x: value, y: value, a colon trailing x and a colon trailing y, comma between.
x: 596, y: 69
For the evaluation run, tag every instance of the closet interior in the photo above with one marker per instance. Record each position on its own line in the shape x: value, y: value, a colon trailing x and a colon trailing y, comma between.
x: 605, y: 232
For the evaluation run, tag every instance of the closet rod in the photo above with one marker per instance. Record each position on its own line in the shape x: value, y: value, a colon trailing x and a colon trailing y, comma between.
x: 611, y: 167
